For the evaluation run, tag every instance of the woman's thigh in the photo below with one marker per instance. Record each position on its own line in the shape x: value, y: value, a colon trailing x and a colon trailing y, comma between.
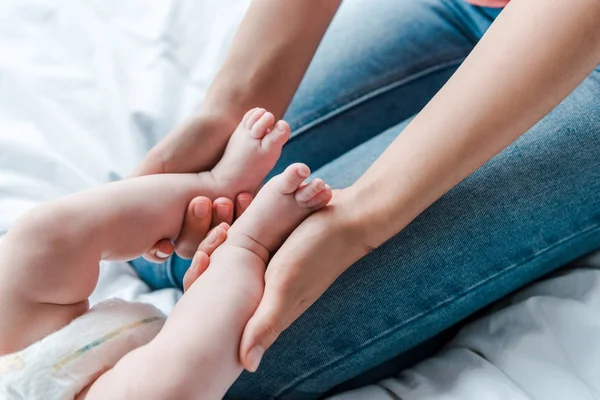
x: 379, y: 63
x: 529, y: 210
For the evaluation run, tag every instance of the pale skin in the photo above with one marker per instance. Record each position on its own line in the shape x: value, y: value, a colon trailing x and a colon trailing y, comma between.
x: 516, y: 95
x: 269, y: 78
x: 195, y: 355
x: 49, y: 263
x: 533, y: 56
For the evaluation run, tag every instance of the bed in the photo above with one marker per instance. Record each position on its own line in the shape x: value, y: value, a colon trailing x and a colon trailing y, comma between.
x: 86, y: 89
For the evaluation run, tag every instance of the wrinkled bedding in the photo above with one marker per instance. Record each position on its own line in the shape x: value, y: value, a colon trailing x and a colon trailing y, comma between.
x: 86, y: 88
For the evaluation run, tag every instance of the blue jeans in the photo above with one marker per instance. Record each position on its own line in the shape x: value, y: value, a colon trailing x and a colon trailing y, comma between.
x: 529, y: 210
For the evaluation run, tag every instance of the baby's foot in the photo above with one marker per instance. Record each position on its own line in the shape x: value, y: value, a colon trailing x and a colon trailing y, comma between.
x: 233, y: 284
x: 280, y: 206
x: 251, y: 152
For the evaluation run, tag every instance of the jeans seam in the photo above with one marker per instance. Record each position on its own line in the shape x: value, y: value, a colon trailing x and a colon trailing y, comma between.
x: 383, y: 335
x: 369, y: 95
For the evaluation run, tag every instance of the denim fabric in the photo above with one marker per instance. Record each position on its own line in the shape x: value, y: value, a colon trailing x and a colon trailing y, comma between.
x: 529, y: 210
x: 380, y: 63
x: 168, y: 274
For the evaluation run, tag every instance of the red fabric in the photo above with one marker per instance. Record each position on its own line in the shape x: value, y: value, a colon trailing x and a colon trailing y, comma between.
x: 489, y: 3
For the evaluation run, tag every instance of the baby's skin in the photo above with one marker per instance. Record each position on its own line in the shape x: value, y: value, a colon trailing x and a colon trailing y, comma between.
x: 200, y: 340
x: 49, y: 264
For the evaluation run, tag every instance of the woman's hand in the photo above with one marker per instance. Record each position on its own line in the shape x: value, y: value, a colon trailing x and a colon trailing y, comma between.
x: 201, y: 216
x: 311, y: 259
x: 195, y: 146
x: 261, y: 69
x: 201, y: 259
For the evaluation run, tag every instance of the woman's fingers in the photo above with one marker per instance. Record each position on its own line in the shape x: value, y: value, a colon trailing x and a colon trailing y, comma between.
x: 201, y: 259
x: 222, y: 211
x: 272, y: 317
x: 309, y: 261
x: 215, y: 238
x: 200, y: 217
x: 242, y: 202
x: 291, y: 285
x: 196, y: 224
x: 162, y: 250
x: 199, y: 265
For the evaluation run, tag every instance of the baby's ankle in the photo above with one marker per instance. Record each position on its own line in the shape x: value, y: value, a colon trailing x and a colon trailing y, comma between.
x: 240, y: 240
x: 219, y: 186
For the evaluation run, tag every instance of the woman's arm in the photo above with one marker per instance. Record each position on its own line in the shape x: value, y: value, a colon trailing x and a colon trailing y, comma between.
x: 265, y: 64
x: 269, y: 55
x: 532, y: 57
x: 263, y: 68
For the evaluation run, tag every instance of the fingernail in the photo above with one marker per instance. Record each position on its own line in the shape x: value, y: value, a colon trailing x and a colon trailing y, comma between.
x: 320, y: 186
x: 279, y: 126
x: 223, y: 211
x: 201, y: 209
x: 244, y: 201
x: 160, y: 254
x: 254, y: 357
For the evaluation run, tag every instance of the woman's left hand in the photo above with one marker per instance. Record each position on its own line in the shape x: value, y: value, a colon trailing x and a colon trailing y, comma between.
x: 310, y: 260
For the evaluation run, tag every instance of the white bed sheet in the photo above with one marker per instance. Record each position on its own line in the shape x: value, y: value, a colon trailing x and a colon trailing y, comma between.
x: 86, y: 88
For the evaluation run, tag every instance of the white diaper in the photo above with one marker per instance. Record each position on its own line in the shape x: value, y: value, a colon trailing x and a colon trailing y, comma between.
x: 62, y: 364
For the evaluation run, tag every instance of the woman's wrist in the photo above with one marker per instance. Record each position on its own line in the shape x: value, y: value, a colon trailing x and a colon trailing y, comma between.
x: 234, y: 91
x: 195, y: 146
x: 220, y: 117
x: 355, y: 220
x: 374, y: 214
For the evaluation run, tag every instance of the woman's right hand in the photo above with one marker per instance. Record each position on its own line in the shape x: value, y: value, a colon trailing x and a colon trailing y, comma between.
x: 311, y: 259
x: 195, y: 146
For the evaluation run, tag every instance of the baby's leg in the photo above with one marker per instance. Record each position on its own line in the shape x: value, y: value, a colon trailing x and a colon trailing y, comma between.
x: 196, y: 355
x: 204, y: 331
x: 191, y: 357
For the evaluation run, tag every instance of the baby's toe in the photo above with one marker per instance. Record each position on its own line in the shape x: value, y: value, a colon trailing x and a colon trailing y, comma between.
x: 321, y: 199
x: 314, y: 195
x: 252, y: 117
x: 308, y: 191
x: 277, y: 137
x: 289, y: 180
x: 262, y: 126
x: 247, y: 115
